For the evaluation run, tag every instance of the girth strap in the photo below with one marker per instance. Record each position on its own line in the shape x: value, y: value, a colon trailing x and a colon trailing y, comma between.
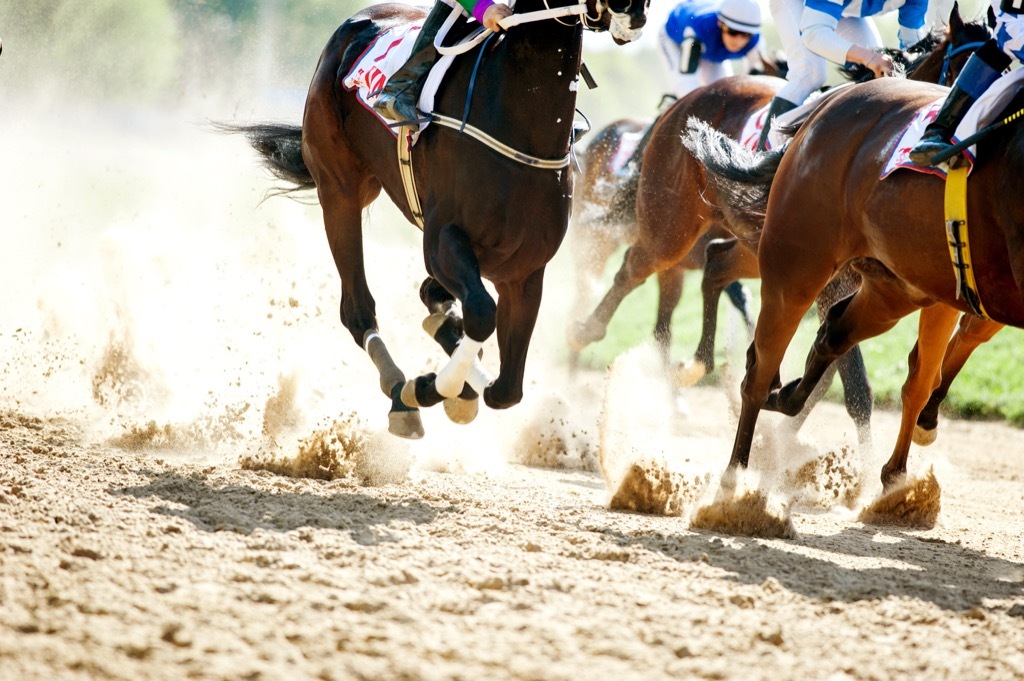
x: 405, y: 134
x: 499, y: 146
x: 957, y: 237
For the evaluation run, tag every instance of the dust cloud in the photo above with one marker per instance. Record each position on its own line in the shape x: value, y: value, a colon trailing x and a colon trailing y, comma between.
x: 161, y: 302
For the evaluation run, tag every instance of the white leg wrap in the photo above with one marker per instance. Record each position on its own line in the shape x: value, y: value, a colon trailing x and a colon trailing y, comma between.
x: 478, y: 378
x: 453, y: 374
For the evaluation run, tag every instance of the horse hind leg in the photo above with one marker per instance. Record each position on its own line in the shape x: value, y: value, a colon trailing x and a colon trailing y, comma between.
x: 403, y: 420
x: 972, y: 332
x: 343, y: 190
x: 872, y: 310
x: 726, y: 261
x: 343, y: 223
x: 637, y: 265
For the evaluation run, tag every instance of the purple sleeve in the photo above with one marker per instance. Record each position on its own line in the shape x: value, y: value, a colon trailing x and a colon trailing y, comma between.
x: 479, y: 8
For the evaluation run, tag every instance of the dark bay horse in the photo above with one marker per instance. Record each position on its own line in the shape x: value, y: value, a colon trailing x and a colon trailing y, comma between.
x: 484, y: 213
x: 673, y: 191
x: 892, y: 231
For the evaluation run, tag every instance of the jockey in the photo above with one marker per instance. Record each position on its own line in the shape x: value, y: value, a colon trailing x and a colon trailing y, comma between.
x: 701, y: 36
x: 818, y: 31
x: 397, y: 100
x: 982, y: 69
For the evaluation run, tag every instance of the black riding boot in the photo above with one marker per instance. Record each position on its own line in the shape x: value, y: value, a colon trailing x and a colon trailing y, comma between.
x: 982, y: 69
x: 397, y: 100
x: 777, y: 107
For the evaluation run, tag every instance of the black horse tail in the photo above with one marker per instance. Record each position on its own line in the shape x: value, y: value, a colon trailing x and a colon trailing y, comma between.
x: 741, y: 178
x: 281, y: 148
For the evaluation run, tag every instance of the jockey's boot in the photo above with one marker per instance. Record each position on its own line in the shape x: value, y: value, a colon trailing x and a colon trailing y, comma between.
x: 982, y: 69
x: 777, y: 107
x: 397, y: 100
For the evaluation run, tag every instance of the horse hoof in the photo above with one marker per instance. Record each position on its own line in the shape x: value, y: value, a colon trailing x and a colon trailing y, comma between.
x: 461, y: 411
x: 582, y: 334
x: 688, y: 373
x: 925, y: 437
x: 730, y: 478
x: 406, y: 424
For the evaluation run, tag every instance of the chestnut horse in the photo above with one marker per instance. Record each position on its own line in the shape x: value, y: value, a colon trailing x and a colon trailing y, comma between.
x: 495, y: 210
x: 892, y: 231
x: 673, y: 190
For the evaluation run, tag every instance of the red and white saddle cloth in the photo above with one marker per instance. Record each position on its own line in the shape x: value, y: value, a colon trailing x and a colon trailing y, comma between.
x: 381, y: 59
x: 982, y: 113
x: 752, y: 128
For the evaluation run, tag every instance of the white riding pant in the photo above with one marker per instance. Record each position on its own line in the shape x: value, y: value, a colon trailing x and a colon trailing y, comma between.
x: 1009, y: 32
x: 807, y: 70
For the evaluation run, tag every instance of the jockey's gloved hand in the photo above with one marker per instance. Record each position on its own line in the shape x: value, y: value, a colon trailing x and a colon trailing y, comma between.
x: 494, y: 14
x: 880, y: 64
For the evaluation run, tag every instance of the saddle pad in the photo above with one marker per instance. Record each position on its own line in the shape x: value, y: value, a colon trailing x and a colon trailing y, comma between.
x: 776, y: 140
x: 380, y: 60
x: 628, y: 143
x: 982, y: 113
x: 752, y: 128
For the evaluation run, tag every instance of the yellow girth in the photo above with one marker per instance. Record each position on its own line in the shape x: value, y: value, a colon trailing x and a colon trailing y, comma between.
x: 956, y: 234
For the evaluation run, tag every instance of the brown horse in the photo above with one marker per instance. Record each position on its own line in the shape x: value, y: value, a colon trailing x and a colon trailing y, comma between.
x: 892, y: 231
x: 673, y: 191
x: 518, y: 87
x: 604, y: 219
x: 604, y: 214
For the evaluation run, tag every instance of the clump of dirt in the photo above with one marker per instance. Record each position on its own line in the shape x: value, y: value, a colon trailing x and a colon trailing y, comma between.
x: 654, y: 489
x: 745, y: 514
x: 829, y: 480
x: 281, y: 414
x: 119, y: 378
x: 915, y: 504
x: 327, y: 454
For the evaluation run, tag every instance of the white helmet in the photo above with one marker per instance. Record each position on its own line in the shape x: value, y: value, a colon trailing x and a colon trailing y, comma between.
x: 741, y: 15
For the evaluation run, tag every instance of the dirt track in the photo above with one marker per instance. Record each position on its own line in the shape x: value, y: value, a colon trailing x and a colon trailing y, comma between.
x: 163, y: 326
x: 128, y: 565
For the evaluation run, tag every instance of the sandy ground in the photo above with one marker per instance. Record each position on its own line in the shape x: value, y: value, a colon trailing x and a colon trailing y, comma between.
x: 195, y: 481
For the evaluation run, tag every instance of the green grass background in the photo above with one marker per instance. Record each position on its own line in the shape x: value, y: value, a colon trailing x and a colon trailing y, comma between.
x: 991, y: 386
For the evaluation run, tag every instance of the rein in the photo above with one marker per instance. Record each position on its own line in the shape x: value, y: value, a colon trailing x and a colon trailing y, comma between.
x: 952, y: 52
x: 482, y: 34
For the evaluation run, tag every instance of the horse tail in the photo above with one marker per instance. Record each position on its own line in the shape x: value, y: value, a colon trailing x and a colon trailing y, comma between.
x: 281, y: 148
x: 741, y: 178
